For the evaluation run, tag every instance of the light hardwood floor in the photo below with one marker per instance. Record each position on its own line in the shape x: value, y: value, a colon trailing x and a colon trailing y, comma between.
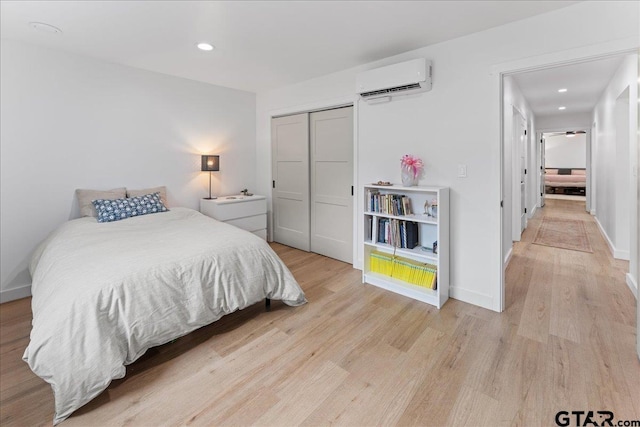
x: 358, y: 355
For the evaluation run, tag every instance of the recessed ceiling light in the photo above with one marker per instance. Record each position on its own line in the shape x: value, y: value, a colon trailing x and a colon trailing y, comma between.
x: 205, y: 46
x: 563, y: 90
x: 45, y: 28
x: 562, y: 108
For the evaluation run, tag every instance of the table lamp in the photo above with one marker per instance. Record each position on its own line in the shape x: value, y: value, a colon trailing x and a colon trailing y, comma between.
x: 210, y: 164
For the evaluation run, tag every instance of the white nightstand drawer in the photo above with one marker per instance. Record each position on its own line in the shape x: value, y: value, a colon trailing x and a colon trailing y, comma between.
x: 232, y: 207
x: 250, y: 223
x: 246, y: 212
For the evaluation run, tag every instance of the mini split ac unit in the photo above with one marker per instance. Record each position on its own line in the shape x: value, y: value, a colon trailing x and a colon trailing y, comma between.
x: 404, y: 78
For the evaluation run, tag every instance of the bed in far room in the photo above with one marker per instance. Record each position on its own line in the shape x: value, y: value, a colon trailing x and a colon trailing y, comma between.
x: 572, y: 180
x: 104, y: 293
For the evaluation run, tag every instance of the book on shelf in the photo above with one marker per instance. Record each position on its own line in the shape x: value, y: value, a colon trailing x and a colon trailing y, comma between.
x: 390, y: 204
x: 398, y: 233
x: 406, y: 205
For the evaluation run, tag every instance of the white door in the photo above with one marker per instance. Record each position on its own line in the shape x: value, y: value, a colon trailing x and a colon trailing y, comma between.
x: 523, y: 179
x: 331, y: 139
x: 542, y: 173
x: 518, y: 147
x: 290, y: 170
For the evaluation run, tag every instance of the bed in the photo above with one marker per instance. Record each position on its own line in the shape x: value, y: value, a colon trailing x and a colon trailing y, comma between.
x: 573, y: 180
x: 104, y: 293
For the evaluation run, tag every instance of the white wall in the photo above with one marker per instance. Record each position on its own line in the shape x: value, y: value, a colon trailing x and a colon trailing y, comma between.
x: 566, y: 152
x: 563, y: 122
x: 72, y: 122
x: 513, y: 98
x: 455, y: 123
x: 615, y: 157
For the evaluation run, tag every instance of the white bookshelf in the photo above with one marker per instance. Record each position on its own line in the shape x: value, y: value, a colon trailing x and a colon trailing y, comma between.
x: 430, y: 229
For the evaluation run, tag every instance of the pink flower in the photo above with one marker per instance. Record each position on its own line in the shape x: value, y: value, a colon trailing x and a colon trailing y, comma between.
x: 413, y: 164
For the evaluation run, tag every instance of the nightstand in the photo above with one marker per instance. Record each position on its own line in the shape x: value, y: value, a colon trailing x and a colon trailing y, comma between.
x: 246, y: 212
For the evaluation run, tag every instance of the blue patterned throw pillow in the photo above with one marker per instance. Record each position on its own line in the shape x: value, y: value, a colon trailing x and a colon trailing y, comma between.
x: 115, y: 210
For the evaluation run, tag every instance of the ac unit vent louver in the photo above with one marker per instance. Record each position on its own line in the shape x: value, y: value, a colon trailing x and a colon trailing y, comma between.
x: 404, y: 78
x: 391, y: 90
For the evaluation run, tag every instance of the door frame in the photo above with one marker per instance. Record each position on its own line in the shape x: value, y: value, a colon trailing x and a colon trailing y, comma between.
x: 498, y: 72
x: 588, y: 166
x: 350, y: 101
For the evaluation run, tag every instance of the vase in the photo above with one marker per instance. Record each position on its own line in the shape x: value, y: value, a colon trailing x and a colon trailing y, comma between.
x: 408, y: 178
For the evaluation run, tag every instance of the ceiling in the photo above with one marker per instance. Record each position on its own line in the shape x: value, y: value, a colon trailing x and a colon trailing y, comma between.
x: 259, y: 44
x: 584, y: 82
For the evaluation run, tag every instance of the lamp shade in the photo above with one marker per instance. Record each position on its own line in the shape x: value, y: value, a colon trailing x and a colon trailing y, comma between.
x: 210, y: 163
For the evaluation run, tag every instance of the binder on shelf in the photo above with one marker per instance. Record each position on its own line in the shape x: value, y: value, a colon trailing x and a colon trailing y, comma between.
x: 404, y: 269
x: 382, y: 227
x: 412, y: 235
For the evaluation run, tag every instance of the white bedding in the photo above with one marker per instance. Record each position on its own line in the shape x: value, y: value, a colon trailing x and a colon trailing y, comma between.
x: 103, y: 293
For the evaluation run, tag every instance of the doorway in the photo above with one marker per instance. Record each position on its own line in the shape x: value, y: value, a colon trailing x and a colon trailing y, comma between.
x: 557, y: 117
x: 312, y: 169
x: 565, y: 173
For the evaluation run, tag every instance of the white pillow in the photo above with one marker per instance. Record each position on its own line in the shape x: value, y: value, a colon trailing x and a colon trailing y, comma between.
x: 86, y: 197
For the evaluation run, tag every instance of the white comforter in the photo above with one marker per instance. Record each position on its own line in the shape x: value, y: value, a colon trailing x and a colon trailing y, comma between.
x: 103, y: 293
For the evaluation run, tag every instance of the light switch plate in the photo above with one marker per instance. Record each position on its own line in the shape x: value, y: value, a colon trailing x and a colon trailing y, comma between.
x: 462, y: 171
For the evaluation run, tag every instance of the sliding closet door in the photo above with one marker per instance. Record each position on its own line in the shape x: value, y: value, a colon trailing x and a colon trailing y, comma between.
x: 331, y: 141
x: 290, y: 169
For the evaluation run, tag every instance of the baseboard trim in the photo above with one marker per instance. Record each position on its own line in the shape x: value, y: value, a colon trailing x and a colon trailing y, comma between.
x: 472, y: 297
x: 15, y: 293
x: 593, y: 212
x: 624, y: 255
x: 533, y: 211
x: 632, y: 285
x: 507, y: 258
x: 616, y: 253
x: 604, y: 234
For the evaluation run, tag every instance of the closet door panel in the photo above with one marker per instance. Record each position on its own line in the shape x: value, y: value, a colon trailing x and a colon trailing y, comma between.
x: 331, y: 138
x: 290, y: 169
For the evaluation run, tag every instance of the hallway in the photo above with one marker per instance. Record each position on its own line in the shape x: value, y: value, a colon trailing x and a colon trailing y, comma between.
x: 577, y: 306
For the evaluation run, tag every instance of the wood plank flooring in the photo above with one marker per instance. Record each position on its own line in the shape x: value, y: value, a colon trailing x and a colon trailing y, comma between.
x: 358, y: 355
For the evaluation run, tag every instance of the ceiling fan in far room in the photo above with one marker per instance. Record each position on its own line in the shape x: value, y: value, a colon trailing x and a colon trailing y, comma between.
x: 568, y: 134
